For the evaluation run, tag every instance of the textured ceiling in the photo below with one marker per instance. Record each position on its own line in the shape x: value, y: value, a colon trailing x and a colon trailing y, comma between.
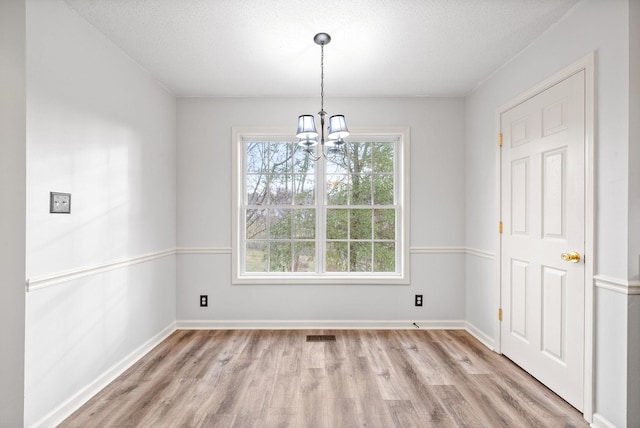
x: 266, y: 48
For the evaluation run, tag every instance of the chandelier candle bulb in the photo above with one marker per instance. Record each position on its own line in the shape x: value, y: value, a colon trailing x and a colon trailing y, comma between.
x: 307, y: 143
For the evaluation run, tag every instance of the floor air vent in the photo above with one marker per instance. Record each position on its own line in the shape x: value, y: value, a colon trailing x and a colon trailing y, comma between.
x: 321, y: 338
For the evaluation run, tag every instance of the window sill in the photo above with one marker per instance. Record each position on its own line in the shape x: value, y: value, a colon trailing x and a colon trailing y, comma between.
x: 391, y: 279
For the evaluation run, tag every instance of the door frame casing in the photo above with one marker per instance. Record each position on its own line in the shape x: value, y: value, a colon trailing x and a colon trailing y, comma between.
x: 586, y: 64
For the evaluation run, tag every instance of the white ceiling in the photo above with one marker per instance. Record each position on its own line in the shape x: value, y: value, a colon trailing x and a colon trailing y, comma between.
x: 266, y: 48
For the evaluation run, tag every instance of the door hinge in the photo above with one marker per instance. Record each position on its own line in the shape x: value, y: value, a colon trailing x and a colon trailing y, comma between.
x: 500, y: 139
x: 500, y: 314
x: 500, y: 227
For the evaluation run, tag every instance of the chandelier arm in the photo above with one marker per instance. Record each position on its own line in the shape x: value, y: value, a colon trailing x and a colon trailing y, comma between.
x: 310, y: 153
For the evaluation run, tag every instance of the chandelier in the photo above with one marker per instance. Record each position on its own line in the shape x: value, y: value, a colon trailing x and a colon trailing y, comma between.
x: 337, y: 129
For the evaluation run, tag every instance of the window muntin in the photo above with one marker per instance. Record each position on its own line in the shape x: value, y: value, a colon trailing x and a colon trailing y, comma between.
x: 340, y: 220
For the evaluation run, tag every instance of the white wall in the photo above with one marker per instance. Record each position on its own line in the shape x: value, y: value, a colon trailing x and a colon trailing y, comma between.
x: 204, y: 214
x: 100, y: 128
x: 633, y: 340
x: 12, y: 223
x: 592, y: 25
x: 610, y: 377
x: 634, y: 140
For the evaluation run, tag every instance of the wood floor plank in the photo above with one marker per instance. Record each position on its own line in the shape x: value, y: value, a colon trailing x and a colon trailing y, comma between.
x: 230, y: 393
x: 374, y: 413
x: 457, y: 406
x: 313, y: 355
x: 469, y: 361
x: 366, y: 383
x: 313, y: 399
x: 391, y: 385
x: 403, y: 414
x: 178, y: 403
x: 291, y: 351
x: 281, y: 418
x: 338, y: 350
x: 463, y: 381
x: 428, y: 365
x: 424, y: 399
x: 286, y: 393
x: 341, y: 383
x: 507, y: 410
x: 343, y: 412
x: 377, y: 379
x: 217, y: 421
x: 255, y: 396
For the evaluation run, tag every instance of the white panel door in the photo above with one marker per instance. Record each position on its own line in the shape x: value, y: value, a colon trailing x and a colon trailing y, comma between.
x: 543, y: 215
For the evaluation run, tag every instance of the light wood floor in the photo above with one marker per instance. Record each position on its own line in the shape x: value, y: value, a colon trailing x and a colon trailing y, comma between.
x: 244, y: 379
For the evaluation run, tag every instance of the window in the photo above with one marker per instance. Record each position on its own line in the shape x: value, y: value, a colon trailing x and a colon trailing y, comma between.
x: 341, y: 219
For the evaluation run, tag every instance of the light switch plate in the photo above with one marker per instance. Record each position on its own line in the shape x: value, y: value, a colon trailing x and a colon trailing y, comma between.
x: 60, y: 203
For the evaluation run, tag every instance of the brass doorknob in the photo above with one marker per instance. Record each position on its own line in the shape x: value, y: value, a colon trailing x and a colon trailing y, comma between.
x: 572, y: 257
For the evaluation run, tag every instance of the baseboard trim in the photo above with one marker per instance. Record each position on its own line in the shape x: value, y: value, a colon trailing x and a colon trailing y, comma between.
x: 600, y: 421
x: 65, y: 410
x: 317, y: 325
x: 44, y: 281
x: 485, y: 339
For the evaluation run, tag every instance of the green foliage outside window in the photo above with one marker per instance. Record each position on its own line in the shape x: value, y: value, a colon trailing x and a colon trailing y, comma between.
x: 361, y: 237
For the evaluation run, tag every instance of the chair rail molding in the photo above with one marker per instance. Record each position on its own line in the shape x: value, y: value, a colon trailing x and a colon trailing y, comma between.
x: 44, y: 281
x: 203, y: 250
x: 618, y: 285
x: 452, y: 250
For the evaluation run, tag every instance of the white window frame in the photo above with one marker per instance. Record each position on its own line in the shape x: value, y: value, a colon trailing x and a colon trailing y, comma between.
x: 402, y: 275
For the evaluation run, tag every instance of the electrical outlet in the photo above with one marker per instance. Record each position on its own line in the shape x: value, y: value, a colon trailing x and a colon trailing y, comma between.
x: 59, y: 203
x: 418, y: 299
x: 204, y: 300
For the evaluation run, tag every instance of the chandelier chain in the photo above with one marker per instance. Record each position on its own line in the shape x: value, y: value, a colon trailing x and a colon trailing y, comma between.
x: 321, y: 77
